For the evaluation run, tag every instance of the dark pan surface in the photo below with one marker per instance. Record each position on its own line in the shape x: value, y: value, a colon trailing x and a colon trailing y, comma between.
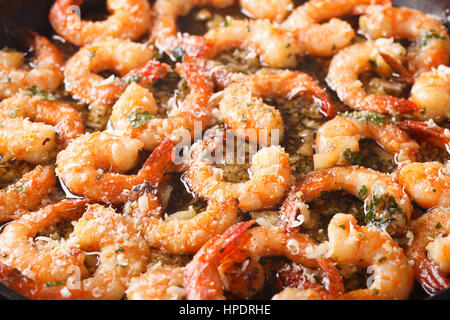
x: 34, y: 15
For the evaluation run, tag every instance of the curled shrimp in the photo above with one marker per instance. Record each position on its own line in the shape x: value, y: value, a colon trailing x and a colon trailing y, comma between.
x: 180, y: 236
x: 431, y: 93
x: 428, y: 132
x: 386, y: 205
x: 328, y: 38
x: 137, y: 100
x: 341, y: 135
x: 46, y: 76
x: 93, y: 166
x: 430, y: 249
x: 66, y: 121
x: 244, y: 111
x: 158, y: 283
x: 392, y: 276
x: 349, y: 63
x: 129, y: 19
x: 427, y: 183
x: 204, y: 275
x: 275, y: 46
x: 432, y: 40
x: 123, y: 255
x: 121, y: 56
x: 27, y: 193
x: 273, y: 10
x: 270, y: 178
x: 52, y: 263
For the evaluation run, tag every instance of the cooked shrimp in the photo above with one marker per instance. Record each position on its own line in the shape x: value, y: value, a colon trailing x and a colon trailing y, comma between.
x: 67, y: 121
x: 270, y: 178
x: 135, y: 112
x: 89, y: 166
x: 121, y: 56
x: 349, y: 63
x: 431, y: 93
x: 129, y: 19
x: 429, y: 132
x: 158, y: 283
x: 123, y: 254
x: 181, y: 235
x: 365, y: 246
x: 274, y: 10
x: 427, y: 183
x: 46, y: 76
x: 244, y: 111
x: 430, y: 249
x: 48, y: 264
x: 337, y: 137
x: 432, y: 40
x: 27, y: 193
x: 386, y: 205
x: 326, y: 39
x: 237, y: 245
x: 275, y: 46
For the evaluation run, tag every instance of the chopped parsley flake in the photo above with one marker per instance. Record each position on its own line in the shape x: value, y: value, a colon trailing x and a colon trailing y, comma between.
x: 139, y: 118
x: 431, y: 35
x: 353, y: 157
x: 362, y: 193
x: 374, y: 117
x: 42, y: 94
x: 438, y: 225
x: 54, y: 284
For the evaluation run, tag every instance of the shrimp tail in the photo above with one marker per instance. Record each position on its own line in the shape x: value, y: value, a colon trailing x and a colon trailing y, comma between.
x: 434, y: 134
x: 429, y: 275
x: 404, y: 75
x: 335, y: 285
x: 158, y: 162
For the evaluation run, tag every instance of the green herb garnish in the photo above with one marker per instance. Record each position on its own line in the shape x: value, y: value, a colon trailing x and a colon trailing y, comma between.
x: 139, y: 118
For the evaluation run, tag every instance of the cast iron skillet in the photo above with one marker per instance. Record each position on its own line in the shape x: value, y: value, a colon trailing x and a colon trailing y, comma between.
x: 34, y: 15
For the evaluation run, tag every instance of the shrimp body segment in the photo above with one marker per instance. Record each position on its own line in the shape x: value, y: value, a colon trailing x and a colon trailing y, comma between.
x: 244, y: 111
x: 366, y: 246
x: 427, y: 183
x: 430, y: 249
x: 349, y: 63
x: 121, y: 56
x: 271, y: 177
x: 129, y: 19
x: 93, y: 165
x: 46, y: 76
x: 343, y: 133
x: 27, y: 193
x: 387, y: 206
x: 326, y: 39
x: 431, y: 37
